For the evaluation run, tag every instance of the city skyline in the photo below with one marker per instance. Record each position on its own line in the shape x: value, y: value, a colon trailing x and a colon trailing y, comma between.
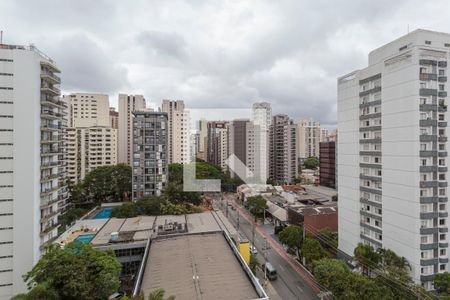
x: 282, y: 53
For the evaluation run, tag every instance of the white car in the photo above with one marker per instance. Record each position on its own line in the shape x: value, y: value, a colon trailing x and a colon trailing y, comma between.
x: 253, y: 250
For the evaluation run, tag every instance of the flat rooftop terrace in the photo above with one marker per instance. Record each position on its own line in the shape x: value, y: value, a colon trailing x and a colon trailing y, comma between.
x: 198, y: 266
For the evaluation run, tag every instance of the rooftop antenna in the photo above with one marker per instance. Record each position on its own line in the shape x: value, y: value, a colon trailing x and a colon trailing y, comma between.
x: 1, y: 37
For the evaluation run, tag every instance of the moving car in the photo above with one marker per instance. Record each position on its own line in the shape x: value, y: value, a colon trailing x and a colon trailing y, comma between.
x: 270, y: 271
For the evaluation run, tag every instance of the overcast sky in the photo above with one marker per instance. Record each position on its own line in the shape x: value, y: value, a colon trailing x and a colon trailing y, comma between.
x: 216, y: 53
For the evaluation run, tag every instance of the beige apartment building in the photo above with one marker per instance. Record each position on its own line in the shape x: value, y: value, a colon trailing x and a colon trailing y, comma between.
x: 202, y: 139
x: 88, y: 109
x: 217, y: 143
x: 309, y: 136
x: 179, y: 131
x: 127, y: 105
x: 91, y: 142
x: 89, y: 148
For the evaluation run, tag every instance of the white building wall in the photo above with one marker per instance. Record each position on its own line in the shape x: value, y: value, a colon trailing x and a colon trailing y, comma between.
x: 127, y: 104
x: 411, y: 211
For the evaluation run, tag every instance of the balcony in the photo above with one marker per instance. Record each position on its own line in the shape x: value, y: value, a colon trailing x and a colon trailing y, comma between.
x: 369, y: 177
x: 370, y: 116
x: 49, y: 228
x: 376, y: 140
x: 427, y: 62
x: 428, y: 122
x: 48, y: 191
x: 430, y: 230
x: 428, y: 215
x: 48, y: 216
x: 443, y: 229
x: 442, y: 154
x: 442, y: 169
x: 442, y: 64
x: 428, y: 92
x: 428, y: 169
x: 442, y: 124
x: 370, y: 190
x: 429, y: 246
x: 443, y: 214
x: 442, y: 107
x: 370, y: 239
x: 49, y: 114
x: 443, y: 199
x: 370, y: 103
x: 429, y: 261
x: 442, y: 78
x: 442, y: 94
x: 428, y: 138
x: 370, y: 128
x: 428, y: 184
x: 428, y: 107
x: 370, y: 202
x: 49, y: 164
x: 426, y: 200
x: 371, y: 91
x: 50, y: 77
x: 442, y: 138
x: 49, y: 177
x: 49, y: 101
x: 50, y: 90
x: 428, y: 76
x: 443, y: 184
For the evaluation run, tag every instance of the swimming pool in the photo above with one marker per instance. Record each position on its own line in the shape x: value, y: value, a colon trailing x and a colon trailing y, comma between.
x: 84, y: 238
x: 104, y: 213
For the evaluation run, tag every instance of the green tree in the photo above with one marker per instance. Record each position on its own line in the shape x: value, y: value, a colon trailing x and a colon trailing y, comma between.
x: 441, y: 282
x: 292, y: 236
x: 311, y: 250
x: 158, y: 294
x: 41, y: 291
x: 121, y: 182
x: 126, y: 210
x: 254, y: 263
x: 76, y: 272
x: 174, y: 193
x: 256, y: 205
x: 366, y: 258
x: 311, y: 163
x: 150, y: 205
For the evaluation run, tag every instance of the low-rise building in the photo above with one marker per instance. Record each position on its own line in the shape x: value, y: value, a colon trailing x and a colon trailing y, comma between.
x: 314, y: 217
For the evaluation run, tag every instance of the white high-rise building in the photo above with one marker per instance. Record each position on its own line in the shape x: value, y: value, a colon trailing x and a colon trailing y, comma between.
x: 127, y: 105
x: 33, y: 189
x: 202, y: 139
x: 308, y: 139
x: 88, y: 109
x: 392, y: 153
x: 262, y: 119
x: 179, y: 131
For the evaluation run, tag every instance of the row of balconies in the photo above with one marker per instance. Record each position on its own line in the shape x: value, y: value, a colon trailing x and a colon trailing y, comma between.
x: 432, y: 92
x: 430, y: 62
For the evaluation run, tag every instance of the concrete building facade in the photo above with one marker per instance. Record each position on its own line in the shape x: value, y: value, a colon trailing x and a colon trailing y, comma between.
x: 127, y: 105
x: 113, y: 118
x: 327, y: 157
x: 33, y: 185
x: 392, y: 153
x: 88, y: 109
x: 89, y: 148
x: 217, y: 147
x: 179, y: 131
x: 262, y: 119
x: 150, y: 158
x: 309, y: 136
x: 283, y: 149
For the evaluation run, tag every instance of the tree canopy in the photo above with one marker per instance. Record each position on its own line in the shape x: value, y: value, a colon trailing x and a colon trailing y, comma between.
x: 292, y: 236
x: 103, y: 184
x: 312, y: 250
x: 441, y: 282
x: 256, y: 205
x: 76, y: 272
x: 311, y: 163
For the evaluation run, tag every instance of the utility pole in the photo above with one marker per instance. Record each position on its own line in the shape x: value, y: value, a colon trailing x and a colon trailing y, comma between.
x: 303, y: 240
x: 253, y: 234
x: 265, y: 260
x: 237, y: 220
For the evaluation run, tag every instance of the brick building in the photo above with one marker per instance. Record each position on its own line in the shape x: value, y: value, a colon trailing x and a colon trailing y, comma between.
x: 328, y: 164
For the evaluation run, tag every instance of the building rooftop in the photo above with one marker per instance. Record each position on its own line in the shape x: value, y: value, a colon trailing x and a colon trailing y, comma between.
x: 128, y: 230
x: 199, y: 266
x: 308, y: 210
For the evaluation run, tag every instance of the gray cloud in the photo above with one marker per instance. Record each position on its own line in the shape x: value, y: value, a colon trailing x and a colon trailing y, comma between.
x: 217, y: 53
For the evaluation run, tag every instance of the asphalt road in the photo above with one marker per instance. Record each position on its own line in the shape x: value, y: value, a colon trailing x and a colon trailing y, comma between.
x: 289, y: 285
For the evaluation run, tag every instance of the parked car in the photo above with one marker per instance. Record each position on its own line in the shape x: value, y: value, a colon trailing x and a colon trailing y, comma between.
x: 270, y: 271
x: 253, y: 250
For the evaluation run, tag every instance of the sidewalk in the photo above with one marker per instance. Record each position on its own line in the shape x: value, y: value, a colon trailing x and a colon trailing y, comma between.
x: 270, y: 291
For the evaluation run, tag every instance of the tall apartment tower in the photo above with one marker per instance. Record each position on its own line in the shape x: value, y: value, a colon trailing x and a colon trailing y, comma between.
x: 392, y: 153
x: 127, y: 105
x: 217, y: 148
x: 308, y: 138
x: 179, y: 131
x: 283, y: 149
x: 150, y: 163
x: 113, y: 118
x: 202, y: 139
x: 33, y: 190
x: 91, y: 142
x: 328, y: 164
x: 87, y: 109
x: 262, y: 119
x: 89, y: 148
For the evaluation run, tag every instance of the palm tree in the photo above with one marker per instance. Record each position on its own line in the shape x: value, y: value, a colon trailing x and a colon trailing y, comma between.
x: 158, y: 294
x: 366, y: 258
